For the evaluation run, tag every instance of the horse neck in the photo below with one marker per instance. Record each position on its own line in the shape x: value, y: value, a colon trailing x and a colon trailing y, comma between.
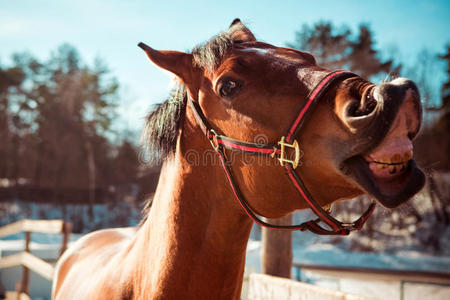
x: 196, y: 234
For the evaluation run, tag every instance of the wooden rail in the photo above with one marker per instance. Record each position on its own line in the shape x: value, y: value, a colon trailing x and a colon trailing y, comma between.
x: 375, y: 274
x: 30, y: 261
x: 26, y: 259
x: 262, y: 287
x: 43, y: 226
x: 16, y: 296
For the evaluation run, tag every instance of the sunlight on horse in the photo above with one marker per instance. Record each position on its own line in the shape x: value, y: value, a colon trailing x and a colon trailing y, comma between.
x: 238, y: 92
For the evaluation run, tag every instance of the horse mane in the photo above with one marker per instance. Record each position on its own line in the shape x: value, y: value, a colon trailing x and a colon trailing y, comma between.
x: 163, y: 123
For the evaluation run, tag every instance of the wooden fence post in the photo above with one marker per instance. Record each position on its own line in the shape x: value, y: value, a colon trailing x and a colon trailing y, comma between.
x: 25, y: 286
x: 277, y: 249
x: 66, y: 230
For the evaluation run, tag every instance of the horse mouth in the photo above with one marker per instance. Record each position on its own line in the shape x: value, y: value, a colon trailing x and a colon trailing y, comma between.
x: 388, y: 173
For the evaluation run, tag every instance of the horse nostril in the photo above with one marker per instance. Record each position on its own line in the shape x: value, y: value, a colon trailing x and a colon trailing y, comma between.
x: 358, y: 110
x: 364, y: 107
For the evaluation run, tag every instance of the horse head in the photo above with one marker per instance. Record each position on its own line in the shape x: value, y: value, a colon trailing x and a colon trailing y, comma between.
x: 357, y: 139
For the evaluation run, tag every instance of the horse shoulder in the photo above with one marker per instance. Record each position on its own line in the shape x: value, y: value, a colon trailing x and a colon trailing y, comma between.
x: 86, y: 253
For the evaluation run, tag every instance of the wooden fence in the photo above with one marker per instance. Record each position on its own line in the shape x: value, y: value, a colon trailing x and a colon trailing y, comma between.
x: 374, y: 274
x: 266, y: 287
x: 25, y: 258
x: 378, y: 283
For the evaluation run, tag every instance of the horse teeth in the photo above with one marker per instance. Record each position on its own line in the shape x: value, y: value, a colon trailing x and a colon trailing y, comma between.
x: 397, y: 158
x: 385, y: 160
x: 392, y: 169
x: 407, y: 156
x: 380, y: 166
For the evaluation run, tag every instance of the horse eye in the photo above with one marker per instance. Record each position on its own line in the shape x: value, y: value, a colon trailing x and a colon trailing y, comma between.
x: 228, y: 88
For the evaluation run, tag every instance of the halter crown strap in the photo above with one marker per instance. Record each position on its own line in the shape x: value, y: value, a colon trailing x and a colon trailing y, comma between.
x: 221, y: 142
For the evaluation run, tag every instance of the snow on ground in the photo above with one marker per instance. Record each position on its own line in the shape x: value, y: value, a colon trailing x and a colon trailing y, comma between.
x: 327, y: 254
x: 332, y: 255
x: 307, y: 249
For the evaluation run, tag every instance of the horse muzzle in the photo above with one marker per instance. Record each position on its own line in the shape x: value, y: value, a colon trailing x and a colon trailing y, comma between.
x: 386, y: 168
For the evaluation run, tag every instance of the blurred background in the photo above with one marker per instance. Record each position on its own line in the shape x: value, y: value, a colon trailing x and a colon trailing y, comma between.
x: 75, y: 90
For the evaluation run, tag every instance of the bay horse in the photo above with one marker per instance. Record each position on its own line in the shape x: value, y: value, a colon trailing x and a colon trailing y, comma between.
x: 236, y: 145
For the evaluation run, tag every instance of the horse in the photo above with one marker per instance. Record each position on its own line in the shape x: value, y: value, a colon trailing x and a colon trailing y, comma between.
x: 252, y: 130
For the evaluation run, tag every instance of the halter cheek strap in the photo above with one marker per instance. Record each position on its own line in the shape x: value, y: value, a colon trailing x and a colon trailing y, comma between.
x: 278, y: 151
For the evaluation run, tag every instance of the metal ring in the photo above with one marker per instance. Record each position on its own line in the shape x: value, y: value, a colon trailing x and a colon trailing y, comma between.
x: 212, y: 137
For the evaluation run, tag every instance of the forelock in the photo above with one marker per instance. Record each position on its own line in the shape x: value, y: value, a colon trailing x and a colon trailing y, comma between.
x: 210, y: 55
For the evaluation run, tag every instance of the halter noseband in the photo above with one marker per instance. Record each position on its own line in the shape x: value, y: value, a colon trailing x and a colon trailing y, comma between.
x: 221, y: 142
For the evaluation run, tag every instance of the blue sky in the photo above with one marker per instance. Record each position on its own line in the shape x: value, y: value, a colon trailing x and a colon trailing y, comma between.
x: 112, y: 29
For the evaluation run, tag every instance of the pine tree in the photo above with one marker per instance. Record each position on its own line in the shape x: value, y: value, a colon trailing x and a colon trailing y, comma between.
x: 336, y: 48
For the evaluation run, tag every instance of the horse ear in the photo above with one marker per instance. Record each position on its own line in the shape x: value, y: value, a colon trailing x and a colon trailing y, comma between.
x: 179, y: 63
x: 240, y: 33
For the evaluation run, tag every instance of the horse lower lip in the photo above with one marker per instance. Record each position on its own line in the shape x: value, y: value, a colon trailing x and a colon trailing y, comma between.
x: 391, y: 181
x: 389, y: 191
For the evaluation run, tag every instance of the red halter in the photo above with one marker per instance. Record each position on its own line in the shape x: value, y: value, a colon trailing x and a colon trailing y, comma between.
x: 220, y: 142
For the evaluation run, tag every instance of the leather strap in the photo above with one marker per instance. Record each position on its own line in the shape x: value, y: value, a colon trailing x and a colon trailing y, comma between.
x: 226, y: 142
x: 221, y: 142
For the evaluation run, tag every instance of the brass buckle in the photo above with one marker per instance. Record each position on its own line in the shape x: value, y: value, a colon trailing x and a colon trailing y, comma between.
x: 283, y: 158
